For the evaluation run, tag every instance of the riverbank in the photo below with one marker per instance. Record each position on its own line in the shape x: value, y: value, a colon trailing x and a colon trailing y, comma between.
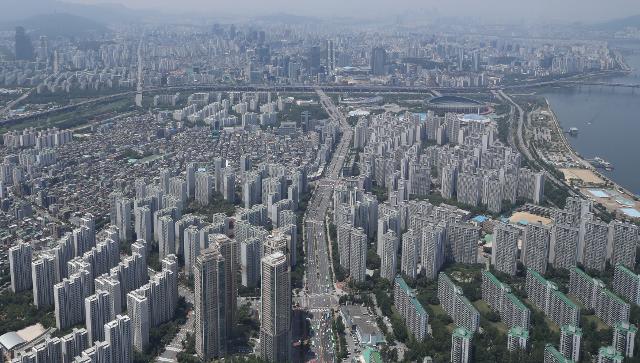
x: 614, y: 197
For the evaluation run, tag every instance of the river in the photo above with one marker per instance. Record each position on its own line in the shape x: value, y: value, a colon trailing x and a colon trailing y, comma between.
x: 608, y: 120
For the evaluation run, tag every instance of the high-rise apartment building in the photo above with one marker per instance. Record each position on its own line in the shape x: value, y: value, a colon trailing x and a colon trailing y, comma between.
x: 275, y: 309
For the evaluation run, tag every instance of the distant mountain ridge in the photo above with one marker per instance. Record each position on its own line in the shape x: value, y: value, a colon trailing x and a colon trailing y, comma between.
x: 58, y: 24
x: 13, y: 10
x: 620, y: 24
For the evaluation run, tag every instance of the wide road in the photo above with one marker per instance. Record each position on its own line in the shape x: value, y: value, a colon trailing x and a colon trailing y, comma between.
x: 320, y: 295
x: 10, y: 105
x: 171, y: 350
x: 520, y: 142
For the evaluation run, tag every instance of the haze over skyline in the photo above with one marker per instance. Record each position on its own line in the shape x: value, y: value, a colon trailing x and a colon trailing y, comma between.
x: 489, y: 10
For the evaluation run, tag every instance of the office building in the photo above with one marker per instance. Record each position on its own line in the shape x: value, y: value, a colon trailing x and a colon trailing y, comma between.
x: 23, y: 46
x: 378, y: 61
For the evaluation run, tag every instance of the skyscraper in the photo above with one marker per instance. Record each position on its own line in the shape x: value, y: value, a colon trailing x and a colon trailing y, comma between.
x: 97, y: 308
x: 433, y: 243
x: 20, y: 267
x: 535, y: 249
x: 138, y: 310
x: 210, y: 304
x: 621, y: 243
x: 410, y: 252
x: 505, y: 248
x: 118, y: 334
x: 331, y: 55
x: 166, y: 236
x: 358, y: 255
x: 563, y: 252
x: 123, y: 219
x: 388, y: 258
x: 314, y: 60
x: 44, y: 277
x: 275, y: 309
x: 230, y: 251
x: 378, y: 61
x: 592, y: 245
x: 23, y: 46
x: 143, y: 223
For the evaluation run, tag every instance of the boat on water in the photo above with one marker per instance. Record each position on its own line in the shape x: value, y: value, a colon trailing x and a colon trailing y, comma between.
x: 600, y: 163
x: 573, y: 131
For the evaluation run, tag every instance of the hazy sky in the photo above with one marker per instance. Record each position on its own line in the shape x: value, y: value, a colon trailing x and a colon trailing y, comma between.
x: 565, y: 10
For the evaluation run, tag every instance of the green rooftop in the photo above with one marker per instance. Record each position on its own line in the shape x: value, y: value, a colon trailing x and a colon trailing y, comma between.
x: 556, y: 354
x: 403, y: 285
x: 624, y: 269
x: 516, y: 302
x: 610, y: 353
x: 371, y: 355
x: 418, y: 306
x: 626, y: 327
x: 572, y: 329
x: 520, y: 332
x: 463, y: 333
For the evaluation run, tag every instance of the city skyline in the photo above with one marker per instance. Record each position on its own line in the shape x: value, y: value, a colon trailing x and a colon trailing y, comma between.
x: 568, y: 12
x: 368, y: 183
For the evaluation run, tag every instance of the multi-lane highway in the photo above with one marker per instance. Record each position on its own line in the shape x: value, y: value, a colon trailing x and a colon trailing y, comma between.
x: 320, y: 295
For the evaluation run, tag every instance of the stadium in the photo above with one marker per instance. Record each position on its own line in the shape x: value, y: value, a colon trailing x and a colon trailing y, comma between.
x: 456, y: 104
